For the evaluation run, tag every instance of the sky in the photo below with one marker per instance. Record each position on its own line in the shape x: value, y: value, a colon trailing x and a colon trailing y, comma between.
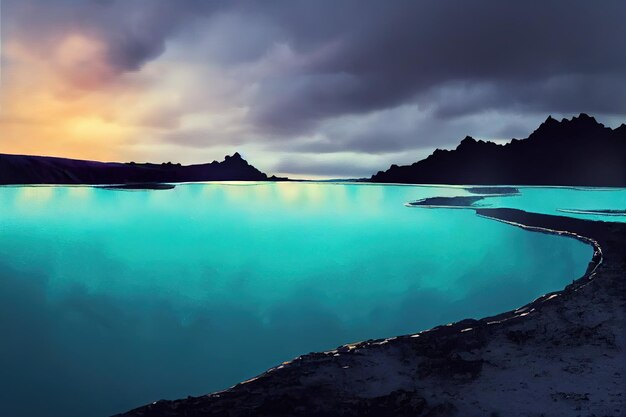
x: 313, y: 89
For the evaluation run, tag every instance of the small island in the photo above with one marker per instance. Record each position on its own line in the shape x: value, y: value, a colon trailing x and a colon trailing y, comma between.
x: 493, y: 190
x: 441, y: 202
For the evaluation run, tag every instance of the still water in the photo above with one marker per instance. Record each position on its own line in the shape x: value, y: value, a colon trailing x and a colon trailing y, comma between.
x: 112, y: 299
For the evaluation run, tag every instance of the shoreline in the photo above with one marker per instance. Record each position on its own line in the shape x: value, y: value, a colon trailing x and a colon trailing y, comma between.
x: 562, y: 354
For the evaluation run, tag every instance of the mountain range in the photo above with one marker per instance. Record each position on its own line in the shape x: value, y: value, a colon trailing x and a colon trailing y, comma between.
x: 578, y: 152
x: 575, y: 152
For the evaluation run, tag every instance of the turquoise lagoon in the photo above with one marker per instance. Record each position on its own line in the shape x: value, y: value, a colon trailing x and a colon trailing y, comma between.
x: 111, y: 299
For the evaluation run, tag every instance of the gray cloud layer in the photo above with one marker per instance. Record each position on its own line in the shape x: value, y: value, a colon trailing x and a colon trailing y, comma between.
x: 390, y: 52
x: 342, y: 62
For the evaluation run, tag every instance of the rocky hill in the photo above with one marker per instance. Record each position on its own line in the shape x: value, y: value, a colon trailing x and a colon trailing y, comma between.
x: 579, y: 151
x: 22, y: 169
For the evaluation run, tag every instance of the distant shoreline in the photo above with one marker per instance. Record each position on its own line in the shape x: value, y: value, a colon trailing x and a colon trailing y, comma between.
x: 339, y: 182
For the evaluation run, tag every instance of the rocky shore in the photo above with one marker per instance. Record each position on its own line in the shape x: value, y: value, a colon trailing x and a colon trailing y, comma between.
x: 561, y: 355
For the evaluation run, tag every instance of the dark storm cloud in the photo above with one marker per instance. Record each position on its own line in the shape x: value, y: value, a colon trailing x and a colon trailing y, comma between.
x: 409, y: 129
x: 369, y: 142
x: 385, y: 52
x: 391, y: 52
x: 303, y: 66
x: 568, y: 93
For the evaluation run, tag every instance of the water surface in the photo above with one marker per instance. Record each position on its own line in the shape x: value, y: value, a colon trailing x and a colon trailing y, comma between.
x: 111, y: 299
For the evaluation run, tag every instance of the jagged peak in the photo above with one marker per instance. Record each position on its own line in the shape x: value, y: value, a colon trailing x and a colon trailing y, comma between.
x: 585, y: 119
x: 551, y: 122
x: 236, y: 155
x: 468, y: 140
x: 585, y: 116
x: 581, y: 122
x: 582, y: 117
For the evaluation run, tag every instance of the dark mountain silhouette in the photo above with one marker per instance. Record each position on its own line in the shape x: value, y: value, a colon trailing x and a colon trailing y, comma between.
x: 22, y: 169
x: 579, y: 151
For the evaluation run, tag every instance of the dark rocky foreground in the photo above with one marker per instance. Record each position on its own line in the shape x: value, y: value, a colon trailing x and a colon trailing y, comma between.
x: 25, y: 169
x: 561, y: 355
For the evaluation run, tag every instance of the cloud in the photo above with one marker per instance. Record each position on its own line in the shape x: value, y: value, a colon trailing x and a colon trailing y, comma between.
x: 133, y: 32
x: 398, y: 52
x: 333, y: 165
x: 337, y: 169
x: 368, y: 77
x: 565, y: 94
x: 408, y: 130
